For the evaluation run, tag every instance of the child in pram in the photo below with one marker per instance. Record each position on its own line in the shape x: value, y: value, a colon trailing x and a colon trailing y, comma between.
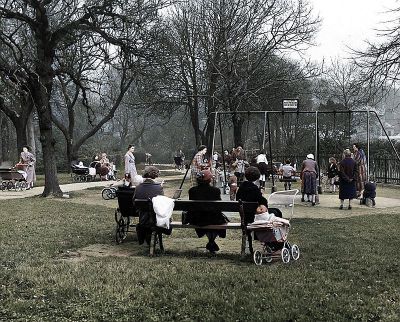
x: 272, y: 231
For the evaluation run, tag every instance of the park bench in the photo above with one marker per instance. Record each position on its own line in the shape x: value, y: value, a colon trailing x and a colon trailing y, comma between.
x: 128, y: 209
x: 199, y: 205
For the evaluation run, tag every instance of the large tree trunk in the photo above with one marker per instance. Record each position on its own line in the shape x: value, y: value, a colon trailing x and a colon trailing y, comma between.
x: 21, y: 136
x: 51, y: 185
x: 30, y: 133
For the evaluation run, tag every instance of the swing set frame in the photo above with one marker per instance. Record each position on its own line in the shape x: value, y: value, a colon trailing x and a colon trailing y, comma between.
x: 317, y: 149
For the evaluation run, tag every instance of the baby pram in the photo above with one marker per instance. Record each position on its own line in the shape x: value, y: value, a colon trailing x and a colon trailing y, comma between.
x: 12, y: 178
x: 273, y: 235
x: 82, y: 173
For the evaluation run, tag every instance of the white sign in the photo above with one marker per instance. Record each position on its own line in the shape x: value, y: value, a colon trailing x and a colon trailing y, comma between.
x: 290, y: 104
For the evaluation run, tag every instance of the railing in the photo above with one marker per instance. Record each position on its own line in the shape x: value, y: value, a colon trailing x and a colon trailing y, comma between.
x: 383, y: 169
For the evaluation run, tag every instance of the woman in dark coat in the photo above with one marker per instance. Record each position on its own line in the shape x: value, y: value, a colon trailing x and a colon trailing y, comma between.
x: 148, y: 189
x: 249, y: 191
x: 347, y: 179
x: 203, y: 191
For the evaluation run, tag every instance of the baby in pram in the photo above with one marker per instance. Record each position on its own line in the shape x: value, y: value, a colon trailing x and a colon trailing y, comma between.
x: 262, y: 216
x: 270, y: 229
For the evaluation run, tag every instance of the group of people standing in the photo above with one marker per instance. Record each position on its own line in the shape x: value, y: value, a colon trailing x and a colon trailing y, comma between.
x: 351, y: 172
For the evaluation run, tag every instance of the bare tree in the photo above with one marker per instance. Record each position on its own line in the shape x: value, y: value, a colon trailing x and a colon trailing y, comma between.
x: 50, y: 25
x: 380, y: 62
x: 221, y: 46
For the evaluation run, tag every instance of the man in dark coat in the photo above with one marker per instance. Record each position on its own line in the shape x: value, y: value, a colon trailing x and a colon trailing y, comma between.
x: 347, y: 179
x: 203, y: 191
x: 148, y: 189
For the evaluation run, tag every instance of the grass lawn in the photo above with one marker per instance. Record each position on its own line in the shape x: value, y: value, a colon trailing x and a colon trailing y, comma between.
x: 349, y: 269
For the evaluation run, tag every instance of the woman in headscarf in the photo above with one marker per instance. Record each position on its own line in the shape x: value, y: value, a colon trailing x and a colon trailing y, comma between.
x: 361, y: 161
x: 28, y: 159
x: 309, y: 175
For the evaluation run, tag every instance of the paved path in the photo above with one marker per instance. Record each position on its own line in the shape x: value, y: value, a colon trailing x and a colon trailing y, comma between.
x: 66, y: 188
x: 37, y: 191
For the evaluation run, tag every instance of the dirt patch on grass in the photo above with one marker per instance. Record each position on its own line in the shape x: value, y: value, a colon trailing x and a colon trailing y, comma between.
x: 127, y: 249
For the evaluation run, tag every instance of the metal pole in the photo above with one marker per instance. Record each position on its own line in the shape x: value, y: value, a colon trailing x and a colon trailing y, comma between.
x: 317, y: 152
x: 273, y: 189
x: 213, y: 140
x: 349, y: 129
x: 387, y: 136
x: 265, y: 124
x: 368, y: 142
x: 223, y: 151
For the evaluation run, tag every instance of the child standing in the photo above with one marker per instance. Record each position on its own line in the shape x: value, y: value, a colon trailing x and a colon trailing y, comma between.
x: 333, y: 171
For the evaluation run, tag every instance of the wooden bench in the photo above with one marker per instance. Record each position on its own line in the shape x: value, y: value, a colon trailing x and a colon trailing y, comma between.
x: 199, y: 205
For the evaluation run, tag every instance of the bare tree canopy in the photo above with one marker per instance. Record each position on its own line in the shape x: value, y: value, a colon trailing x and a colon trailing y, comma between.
x: 381, y: 61
x: 33, y: 33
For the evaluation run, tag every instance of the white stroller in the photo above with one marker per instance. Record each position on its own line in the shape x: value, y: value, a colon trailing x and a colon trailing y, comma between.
x: 273, y: 235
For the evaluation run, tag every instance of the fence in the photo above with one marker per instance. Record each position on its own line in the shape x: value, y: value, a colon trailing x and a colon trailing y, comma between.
x: 383, y: 169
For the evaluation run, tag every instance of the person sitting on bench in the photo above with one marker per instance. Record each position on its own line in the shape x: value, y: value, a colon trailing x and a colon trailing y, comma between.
x: 249, y: 191
x: 287, y: 174
x: 203, y: 191
x: 147, y: 189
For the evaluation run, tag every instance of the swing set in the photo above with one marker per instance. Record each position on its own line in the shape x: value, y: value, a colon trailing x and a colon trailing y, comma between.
x: 314, y: 114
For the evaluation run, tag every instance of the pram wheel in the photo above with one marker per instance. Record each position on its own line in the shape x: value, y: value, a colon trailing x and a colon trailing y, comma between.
x: 285, y: 254
x: 107, y: 194
x: 258, y: 258
x: 122, y: 227
x: 23, y: 185
x: 295, y: 252
x: 268, y: 254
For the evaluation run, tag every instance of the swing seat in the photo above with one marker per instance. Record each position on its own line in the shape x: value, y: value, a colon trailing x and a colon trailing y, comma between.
x: 287, y: 180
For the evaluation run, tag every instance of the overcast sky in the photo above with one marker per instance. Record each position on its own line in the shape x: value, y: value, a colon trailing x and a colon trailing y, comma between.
x: 347, y: 22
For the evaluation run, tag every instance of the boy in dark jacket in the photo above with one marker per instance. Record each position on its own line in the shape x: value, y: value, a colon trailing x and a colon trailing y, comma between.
x: 369, y: 192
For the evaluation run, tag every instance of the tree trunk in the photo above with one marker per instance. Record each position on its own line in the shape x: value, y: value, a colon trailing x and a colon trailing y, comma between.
x: 41, y: 89
x: 51, y: 185
x: 21, y: 137
x: 30, y: 133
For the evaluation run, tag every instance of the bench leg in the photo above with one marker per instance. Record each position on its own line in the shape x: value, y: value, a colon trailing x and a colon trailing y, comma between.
x: 160, y: 240
x: 153, y: 243
x: 244, y: 238
x: 250, y: 239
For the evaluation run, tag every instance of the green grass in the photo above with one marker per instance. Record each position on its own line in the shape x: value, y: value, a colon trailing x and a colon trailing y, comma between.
x: 348, y: 270
x: 63, y: 178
